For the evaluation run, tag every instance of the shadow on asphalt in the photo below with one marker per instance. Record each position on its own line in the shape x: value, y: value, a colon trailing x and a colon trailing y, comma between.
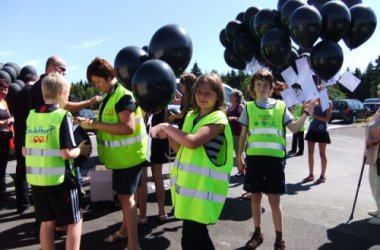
x: 294, y: 188
x: 345, y: 236
x: 19, y: 236
x: 229, y: 210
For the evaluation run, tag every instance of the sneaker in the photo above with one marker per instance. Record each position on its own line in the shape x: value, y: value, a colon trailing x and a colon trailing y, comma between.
x: 279, y: 245
x: 291, y: 152
x: 374, y: 221
x: 255, y: 241
x: 373, y: 213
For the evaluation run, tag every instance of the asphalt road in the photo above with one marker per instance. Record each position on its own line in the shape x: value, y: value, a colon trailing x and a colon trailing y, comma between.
x: 315, y: 216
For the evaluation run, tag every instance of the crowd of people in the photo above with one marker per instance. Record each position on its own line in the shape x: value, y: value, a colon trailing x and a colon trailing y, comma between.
x: 207, y: 137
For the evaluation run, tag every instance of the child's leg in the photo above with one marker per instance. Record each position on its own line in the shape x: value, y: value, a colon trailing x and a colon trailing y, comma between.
x: 310, y: 146
x: 47, y: 235
x: 256, y: 208
x: 160, y: 191
x: 142, y: 195
x: 74, y: 232
x: 274, y: 202
x: 322, y: 154
x: 129, y: 209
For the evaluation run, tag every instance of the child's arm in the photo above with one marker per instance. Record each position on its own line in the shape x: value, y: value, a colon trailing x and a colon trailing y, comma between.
x: 192, y: 141
x: 295, y: 126
x: 242, y: 143
x: 82, y: 149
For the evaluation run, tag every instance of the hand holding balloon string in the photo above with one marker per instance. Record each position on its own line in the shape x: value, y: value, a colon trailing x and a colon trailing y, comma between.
x: 85, y: 148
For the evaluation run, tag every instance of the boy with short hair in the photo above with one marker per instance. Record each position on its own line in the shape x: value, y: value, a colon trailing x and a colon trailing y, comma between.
x: 263, y: 137
x: 49, y: 150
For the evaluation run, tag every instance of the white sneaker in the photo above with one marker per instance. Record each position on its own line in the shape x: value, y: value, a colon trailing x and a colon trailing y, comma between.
x: 373, y: 213
x: 374, y: 221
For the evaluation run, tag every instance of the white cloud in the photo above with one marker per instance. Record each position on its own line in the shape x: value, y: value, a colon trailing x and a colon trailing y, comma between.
x: 6, y: 53
x: 89, y: 43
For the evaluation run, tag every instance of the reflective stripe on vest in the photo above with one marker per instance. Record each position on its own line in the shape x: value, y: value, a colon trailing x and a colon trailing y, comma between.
x: 263, y: 145
x: 271, y: 131
x: 193, y: 193
x: 45, y: 171
x: 43, y: 152
x: 125, y: 142
x: 207, y: 172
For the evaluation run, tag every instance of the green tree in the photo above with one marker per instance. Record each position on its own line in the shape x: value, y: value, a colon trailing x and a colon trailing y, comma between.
x: 196, y: 70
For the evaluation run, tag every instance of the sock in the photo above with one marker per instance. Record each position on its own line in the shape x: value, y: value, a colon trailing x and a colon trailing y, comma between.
x: 257, y: 230
x: 278, y: 236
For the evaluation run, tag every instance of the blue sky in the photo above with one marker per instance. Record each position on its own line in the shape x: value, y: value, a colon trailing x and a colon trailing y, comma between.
x: 79, y: 30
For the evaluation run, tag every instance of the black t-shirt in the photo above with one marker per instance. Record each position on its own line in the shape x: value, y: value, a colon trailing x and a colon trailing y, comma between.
x: 66, y: 139
x: 21, y: 111
x: 37, y: 100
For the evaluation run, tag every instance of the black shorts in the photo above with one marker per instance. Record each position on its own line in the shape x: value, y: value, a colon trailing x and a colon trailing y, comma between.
x: 63, y: 207
x: 317, y: 136
x: 125, y: 181
x: 265, y: 174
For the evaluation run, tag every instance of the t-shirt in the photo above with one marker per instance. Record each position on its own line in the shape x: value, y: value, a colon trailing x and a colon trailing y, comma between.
x: 244, y: 120
x: 21, y: 112
x: 66, y: 139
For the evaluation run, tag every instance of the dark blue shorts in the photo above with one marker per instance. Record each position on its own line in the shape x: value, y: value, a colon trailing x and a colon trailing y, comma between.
x: 265, y: 174
x: 125, y: 181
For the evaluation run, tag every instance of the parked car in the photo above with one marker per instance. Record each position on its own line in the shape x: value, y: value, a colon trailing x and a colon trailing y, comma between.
x: 87, y: 113
x: 373, y: 104
x: 349, y: 110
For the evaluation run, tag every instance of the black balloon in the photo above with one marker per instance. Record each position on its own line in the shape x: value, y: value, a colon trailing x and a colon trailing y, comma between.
x: 11, y: 71
x: 10, y: 98
x: 265, y: 20
x: 240, y: 16
x: 146, y: 48
x: 351, y: 3
x: 172, y: 44
x: 363, y: 24
x: 154, y: 85
x: 287, y: 10
x: 127, y: 61
x: 233, y: 28
x: 28, y: 69
x: 280, y: 3
x: 318, y: 3
x: 326, y: 59
x: 5, y: 75
x: 244, y: 46
x: 233, y: 60
x: 20, y: 82
x: 248, y: 21
x: 276, y: 47
x: 305, y: 26
x: 260, y: 58
x: 223, y: 39
x: 15, y: 66
x: 336, y: 19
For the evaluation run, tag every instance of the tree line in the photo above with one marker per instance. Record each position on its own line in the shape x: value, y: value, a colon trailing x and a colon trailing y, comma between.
x: 368, y: 87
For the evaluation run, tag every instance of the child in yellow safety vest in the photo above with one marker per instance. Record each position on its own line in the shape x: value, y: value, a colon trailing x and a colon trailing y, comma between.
x: 263, y: 139
x: 201, y: 171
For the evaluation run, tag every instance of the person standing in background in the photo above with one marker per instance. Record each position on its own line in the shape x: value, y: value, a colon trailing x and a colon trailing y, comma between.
x: 6, y: 134
x: 298, y: 138
x: 233, y: 114
x: 317, y: 133
x: 21, y: 111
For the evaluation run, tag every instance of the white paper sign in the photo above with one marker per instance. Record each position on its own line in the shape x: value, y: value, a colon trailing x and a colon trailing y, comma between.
x: 289, y: 75
x: 289, y: 96
x: 349, y: 81
x: 309, y: 90
x: 324, y: 99
x: 303, y: 69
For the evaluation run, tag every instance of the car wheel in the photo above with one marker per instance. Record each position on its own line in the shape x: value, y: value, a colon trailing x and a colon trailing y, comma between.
x: 354, y: 119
